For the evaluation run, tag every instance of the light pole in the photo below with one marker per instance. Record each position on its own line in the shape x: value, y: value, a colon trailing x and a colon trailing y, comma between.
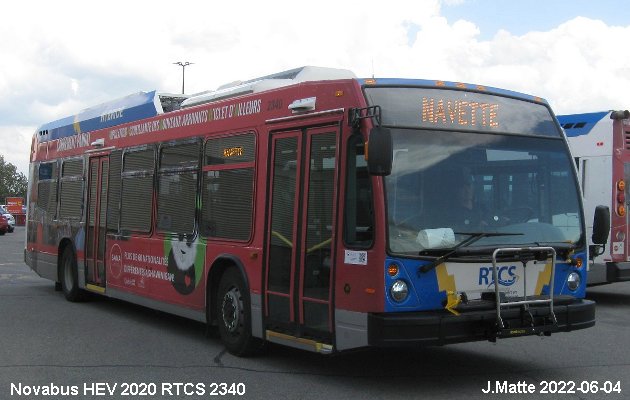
x: 183, y: 64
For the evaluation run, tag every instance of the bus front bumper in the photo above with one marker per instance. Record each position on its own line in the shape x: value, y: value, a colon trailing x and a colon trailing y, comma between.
x: 443, y: 327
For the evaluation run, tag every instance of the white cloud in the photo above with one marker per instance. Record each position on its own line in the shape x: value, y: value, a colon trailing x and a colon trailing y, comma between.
x: 579, y: 65
x: 60, y: 57
x: 15, y: 144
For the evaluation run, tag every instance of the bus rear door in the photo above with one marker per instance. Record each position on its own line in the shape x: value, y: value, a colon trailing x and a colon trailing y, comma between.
x: 96, y: 223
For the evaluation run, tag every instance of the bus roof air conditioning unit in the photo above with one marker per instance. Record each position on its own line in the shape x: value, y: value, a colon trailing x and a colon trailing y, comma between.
x: 268, y: 82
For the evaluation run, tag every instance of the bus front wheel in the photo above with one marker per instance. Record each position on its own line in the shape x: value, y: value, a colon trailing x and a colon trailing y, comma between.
x: 68, y: 275
x: 233, y: 311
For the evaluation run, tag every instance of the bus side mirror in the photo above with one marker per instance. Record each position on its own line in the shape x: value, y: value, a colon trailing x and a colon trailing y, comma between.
x: 380, y: 151
x: 620, y: 114
x: 601, y: 225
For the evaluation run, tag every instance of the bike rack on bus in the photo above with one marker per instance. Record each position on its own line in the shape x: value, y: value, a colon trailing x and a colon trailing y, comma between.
x: 524, y: 255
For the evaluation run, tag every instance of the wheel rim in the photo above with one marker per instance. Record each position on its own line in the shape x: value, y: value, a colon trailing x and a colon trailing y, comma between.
x: 231, y: 310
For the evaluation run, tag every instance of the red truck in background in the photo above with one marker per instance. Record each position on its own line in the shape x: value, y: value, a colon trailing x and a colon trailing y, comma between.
x: 15, y: 206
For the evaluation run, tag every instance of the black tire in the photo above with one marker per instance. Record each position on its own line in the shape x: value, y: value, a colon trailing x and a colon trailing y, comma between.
x: 233, y: 311
x: 68, y: 275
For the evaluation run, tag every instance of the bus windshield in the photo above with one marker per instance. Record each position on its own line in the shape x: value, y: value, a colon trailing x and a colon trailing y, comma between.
x: 448, y: 185
x: 470, y: 164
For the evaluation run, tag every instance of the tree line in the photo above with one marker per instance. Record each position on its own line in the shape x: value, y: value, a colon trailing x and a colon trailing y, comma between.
x: 12, y: 182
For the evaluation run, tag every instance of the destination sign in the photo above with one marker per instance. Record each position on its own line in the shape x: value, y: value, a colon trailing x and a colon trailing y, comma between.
x: 232, y: 152
x: 460, y: 110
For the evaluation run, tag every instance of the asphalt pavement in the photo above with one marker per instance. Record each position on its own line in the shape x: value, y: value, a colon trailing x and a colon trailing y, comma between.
x: 109, y: 349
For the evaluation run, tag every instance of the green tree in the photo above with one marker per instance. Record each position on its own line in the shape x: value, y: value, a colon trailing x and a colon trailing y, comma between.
x: 12, y: 182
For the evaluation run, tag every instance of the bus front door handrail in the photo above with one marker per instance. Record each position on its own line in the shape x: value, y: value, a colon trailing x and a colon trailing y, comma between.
x: 282, y: 238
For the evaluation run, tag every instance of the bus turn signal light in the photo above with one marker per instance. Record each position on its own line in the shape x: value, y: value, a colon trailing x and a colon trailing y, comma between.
x: 577, y: 262
x: 621, y: 198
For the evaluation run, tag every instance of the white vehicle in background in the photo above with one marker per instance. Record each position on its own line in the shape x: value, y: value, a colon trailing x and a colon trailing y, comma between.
x: 600, y: 144
x: 9, y: 217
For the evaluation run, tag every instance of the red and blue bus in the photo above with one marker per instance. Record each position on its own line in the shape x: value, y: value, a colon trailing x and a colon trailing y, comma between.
x: 320, y: 211
x: 600, y: 144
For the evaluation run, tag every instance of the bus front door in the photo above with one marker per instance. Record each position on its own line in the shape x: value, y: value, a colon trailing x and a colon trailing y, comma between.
x: 300, y: 236
x: 96, y: 223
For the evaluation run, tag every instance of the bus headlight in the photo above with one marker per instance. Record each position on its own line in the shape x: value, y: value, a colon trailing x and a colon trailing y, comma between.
x: 573, y: 281
x: 399, y: 290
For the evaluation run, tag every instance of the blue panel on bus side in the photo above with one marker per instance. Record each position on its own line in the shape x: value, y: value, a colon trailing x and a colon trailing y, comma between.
x: 127, y: 109
x: 580, y: 124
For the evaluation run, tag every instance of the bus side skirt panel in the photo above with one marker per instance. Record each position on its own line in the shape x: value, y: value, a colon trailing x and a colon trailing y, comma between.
x: 157, y: 305
x: 45, y: 265
x: 257, y: 315
x: 351, y: 330
x: 81, y: 276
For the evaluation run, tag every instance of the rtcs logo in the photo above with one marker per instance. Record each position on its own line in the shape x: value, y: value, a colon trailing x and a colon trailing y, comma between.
x: 506, y: 275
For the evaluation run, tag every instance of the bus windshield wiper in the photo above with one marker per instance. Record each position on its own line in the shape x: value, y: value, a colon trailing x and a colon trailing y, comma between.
x: 563, y: 249
x: 474, y: 236
x: 558, y: 244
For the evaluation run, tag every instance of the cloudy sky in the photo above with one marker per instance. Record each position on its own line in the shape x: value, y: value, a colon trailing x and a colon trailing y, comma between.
x: 58, y: 57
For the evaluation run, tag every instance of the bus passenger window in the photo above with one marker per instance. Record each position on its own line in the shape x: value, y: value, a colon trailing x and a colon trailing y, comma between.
x: 71, y: 189
x: 47, y: 188
x: 228, y: 187
x: 359, y: 210
x: 137, y: 190
x: 177, y: 187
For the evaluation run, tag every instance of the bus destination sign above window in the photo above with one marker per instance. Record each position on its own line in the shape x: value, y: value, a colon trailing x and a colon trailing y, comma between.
x: 460, y: 110
x: 232, y: 151
x: 449, y: 113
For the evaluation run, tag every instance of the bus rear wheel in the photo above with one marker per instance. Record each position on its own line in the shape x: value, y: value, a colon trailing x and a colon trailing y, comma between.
x: 233, y: 311
x: 69, y: 276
